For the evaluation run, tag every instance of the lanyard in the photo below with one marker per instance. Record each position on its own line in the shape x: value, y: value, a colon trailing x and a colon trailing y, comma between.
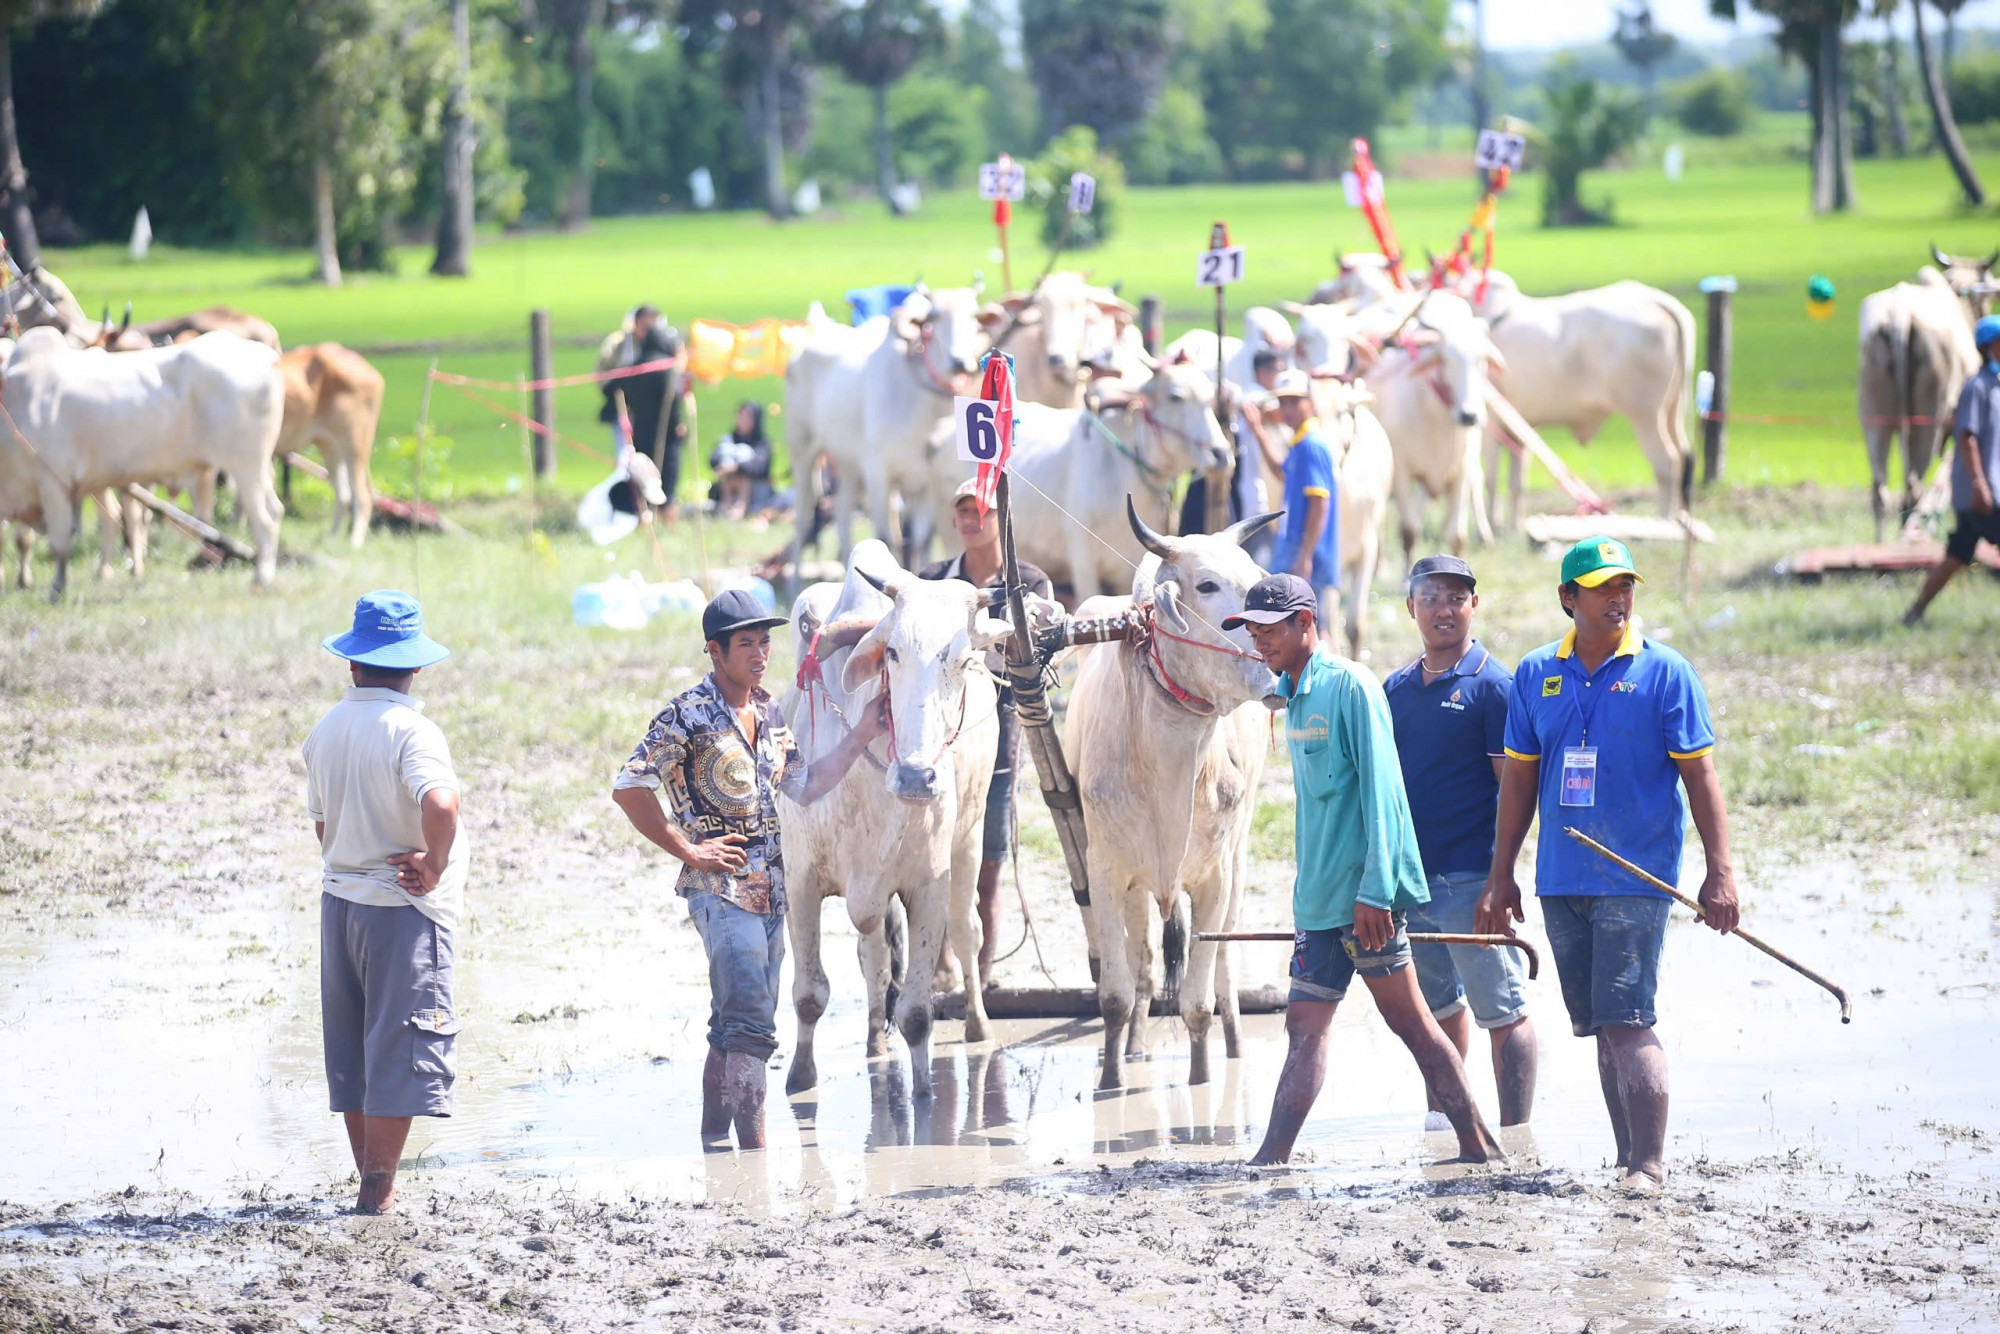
x: 1587, y: 691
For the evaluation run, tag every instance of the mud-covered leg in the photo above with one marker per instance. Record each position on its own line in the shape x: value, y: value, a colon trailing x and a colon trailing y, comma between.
x: 968, y: 938
x: 1198, y: 988
x: 1138, y: 908
x: 810, y: 989
x: 1114, y: 977
x: 928, y: 908
x: 875, y: 972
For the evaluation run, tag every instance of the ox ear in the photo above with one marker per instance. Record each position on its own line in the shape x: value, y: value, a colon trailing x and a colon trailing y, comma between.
x: 1495, y: 363
x: 864, y: 664
x: 1293, y: 308
x: 1117, y: 307
x: 1167, y: 605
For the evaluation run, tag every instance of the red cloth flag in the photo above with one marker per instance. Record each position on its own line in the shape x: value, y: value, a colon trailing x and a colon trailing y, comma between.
x: 997, y: 387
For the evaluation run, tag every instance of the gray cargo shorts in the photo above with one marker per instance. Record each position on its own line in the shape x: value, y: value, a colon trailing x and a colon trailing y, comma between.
x: 386, y: 1008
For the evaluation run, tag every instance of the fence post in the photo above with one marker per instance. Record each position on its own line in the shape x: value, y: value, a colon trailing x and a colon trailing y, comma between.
x: 541, y: 367
x: 1149, y: 324
x: 1715, y: 418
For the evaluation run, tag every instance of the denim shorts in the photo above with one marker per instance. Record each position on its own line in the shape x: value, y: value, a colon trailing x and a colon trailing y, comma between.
x: 996, y: 834
x: 386, y: 1015
x: 1325, y: 962
x: 1607, y: 953
x: 1494, y: 981
x: 746, y: 950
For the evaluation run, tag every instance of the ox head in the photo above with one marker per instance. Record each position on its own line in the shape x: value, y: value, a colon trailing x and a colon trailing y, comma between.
x: 1328, y: 339
x: 945, y: 325
x: 1362, y: 278
x: 1078, y: 321
x: 1460, y: 358
x: 1265, y: 330
x: 924, y: 646
x: 1967, y: 274
x: 1194, y: 581
x: 1178, y: 404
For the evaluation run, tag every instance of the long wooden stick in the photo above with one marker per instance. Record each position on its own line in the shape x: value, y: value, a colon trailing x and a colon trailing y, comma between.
x: 193, y: 527
x: 1414, y: 937
x: 1839, y: 993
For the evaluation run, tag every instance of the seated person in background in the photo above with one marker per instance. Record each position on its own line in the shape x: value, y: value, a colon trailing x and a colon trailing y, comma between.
x: 741, y: 461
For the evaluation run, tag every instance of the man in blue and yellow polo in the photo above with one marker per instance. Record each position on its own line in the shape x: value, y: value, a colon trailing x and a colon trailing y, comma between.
x: 1604, y: 731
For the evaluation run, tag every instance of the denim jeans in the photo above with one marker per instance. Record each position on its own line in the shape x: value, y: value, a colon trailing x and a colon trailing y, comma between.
x: 1494, y: 980
x: 1607, y: 953
x: 746, y: 950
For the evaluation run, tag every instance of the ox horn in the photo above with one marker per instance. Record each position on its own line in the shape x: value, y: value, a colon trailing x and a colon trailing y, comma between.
x: 1148, y: 539
x: 1986, y: 265
x: 126, y: 323
x: 1939, y: 257
x: 879, y: 585
x: 1244, y: 529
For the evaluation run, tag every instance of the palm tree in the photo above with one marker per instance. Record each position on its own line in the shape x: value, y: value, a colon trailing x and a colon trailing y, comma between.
x: 17, y: 221
x: 454, y: 239
x: 1810, y: 31
x: 1942, y: 120
x: 875, y: 42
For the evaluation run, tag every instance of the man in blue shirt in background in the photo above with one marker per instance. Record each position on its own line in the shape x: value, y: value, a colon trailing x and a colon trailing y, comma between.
x: 1975, y: 469
x: 1358, y: 870
x: 1450, y: 710
x: 1603, y: 729
x: 1309, y: 539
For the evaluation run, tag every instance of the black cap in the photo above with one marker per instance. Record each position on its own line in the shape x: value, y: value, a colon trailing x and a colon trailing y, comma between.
x: 1454, y: 566
x: 1272, y: 599
x: 734, y: 609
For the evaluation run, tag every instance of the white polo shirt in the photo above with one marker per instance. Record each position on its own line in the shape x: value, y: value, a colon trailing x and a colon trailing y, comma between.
x: 369, y: 763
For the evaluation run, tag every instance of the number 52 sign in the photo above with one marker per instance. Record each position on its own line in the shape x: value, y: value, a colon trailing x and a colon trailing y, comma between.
x: 978, y: 429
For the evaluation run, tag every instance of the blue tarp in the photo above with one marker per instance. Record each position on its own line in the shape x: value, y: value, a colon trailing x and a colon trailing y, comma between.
x: 868, y: 302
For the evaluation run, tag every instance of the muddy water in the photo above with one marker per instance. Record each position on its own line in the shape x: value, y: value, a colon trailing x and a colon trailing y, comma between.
x: 183, y: 1054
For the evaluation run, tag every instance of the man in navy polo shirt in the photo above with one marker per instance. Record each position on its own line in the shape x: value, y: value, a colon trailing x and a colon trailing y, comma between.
x: 1604, y: 729
x: 1450, y: 711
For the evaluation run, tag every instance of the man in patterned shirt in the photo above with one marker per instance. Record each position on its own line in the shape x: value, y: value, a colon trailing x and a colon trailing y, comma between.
x: 719, y: 752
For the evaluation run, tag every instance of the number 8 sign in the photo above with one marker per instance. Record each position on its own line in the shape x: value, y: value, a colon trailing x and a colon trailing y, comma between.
x: 978, y: 429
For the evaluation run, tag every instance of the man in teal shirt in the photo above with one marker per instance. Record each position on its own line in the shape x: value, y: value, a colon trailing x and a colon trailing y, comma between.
x: 1358, y: 869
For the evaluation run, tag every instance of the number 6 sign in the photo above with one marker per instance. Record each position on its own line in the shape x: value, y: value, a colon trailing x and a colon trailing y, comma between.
x: 978, y: 429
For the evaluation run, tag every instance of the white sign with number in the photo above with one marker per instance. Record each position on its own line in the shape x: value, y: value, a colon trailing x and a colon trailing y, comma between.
x: 1350, y: 187
x: 1219, y: 268
x: 999, y: 180
x: 1082, y: 192
x: 1497, y: 150
x: 978, y: 423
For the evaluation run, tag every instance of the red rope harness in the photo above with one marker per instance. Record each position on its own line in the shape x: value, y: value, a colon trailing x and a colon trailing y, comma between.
x: 949, y: 388
x: 895, y: 756
x: 1154, y: 632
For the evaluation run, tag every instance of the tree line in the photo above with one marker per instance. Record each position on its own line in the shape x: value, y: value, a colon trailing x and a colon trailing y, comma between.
x: 358, y: 124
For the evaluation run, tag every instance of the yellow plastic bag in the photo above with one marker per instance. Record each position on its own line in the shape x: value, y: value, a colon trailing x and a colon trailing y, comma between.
x: 711, y: 350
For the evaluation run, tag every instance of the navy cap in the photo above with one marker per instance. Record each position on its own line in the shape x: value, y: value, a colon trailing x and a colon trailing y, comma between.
x: 1454, y: 566
x: 388, y: 633
x: 734, y: 609
x: 1272, y: 599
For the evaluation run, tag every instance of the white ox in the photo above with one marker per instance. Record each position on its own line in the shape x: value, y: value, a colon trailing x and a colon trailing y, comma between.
x: 1916, y: 354
x: 1168, y: 742
x: 905, y: 824
x: 1138, y: 443
x: 1054, y: 332
x: 1429, y: 396
x: 1577, y: 360
x: 89, y: 421
x: 869, y: 396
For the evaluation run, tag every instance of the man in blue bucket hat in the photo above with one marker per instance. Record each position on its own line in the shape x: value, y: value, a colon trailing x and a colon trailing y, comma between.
x: 1975, y: 469
x: 384, y: 801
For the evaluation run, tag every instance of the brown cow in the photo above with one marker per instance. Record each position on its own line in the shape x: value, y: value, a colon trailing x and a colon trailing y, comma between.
x: 333, y: 399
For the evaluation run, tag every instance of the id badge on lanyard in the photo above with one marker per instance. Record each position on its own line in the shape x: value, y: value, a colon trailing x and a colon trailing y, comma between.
x: 1579, y: 776
x: 1579, y: 771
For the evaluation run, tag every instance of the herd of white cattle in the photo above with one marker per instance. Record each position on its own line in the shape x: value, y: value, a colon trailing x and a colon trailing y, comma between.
x: 1166, y: 732
x: 92, y: 409
x: 1402, y: 377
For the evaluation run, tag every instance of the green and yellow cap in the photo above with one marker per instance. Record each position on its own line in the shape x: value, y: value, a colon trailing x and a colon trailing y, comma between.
x: 1595, y: 560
